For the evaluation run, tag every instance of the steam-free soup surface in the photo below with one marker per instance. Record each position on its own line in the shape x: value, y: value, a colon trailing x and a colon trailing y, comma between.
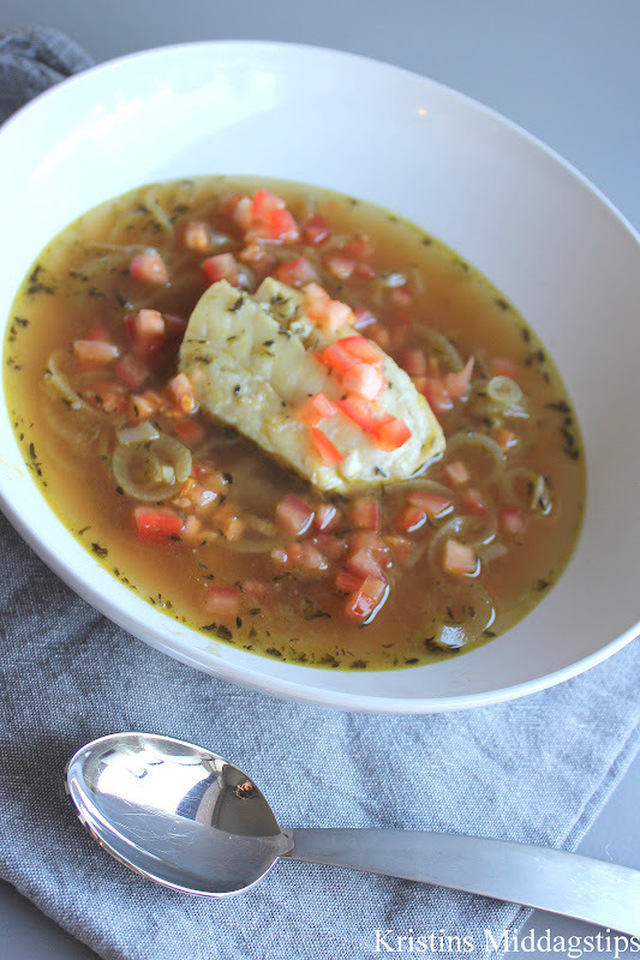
x: 224, y: 535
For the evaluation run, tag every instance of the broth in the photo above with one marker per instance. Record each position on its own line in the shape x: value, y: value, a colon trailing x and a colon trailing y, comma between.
x: 371, y: 581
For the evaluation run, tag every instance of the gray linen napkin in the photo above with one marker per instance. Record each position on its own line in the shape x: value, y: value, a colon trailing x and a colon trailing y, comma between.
x: 33, y: 59
x: 537, y: 770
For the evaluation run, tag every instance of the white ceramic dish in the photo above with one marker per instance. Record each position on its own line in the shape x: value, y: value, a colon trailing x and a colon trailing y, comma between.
x: 544, y: 236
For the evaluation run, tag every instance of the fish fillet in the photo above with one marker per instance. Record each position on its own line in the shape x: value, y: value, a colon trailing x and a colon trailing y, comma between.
x: 252, y: 362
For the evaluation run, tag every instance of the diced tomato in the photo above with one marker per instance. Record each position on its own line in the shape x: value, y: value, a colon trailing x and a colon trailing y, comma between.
x: 459, y: 559
x: 316, y: 301
x: 400, y: 331
x: 456, y: 473
x: 363, y: 349
x: 389, y: 432
x: 436, y: 395
x: 364, y: 602
x: 223, y: 602
x: 238, y: 209
x: 264, y: 203
x: 327, y: 450
x: 174, y: 326
x: 348, y: 582
x: 457, y: 384
x: 337, y: 316
x: 358, y: 246
x: 181, y: 394
x: 364, y: 318
x: 316, y: 229
x: 473, y: 502
x: 95, y: 351
x: 196, y: 236
x: 401, y: 297
x: 512, y: 521
x: 502, y: 367
x: 435, y: 505
x: 379, y: 333
x: 370, y: 540
x: 333, y: 547
x: 149, y: 267
x: 364, y: 271
x: 221, y: 266
x: 392, y: 433
x: 326, y: 515
x: 507, y: 439
x: 192, y: 530
x: 400, y: 548
x: 142, y: 406
x: 411, y: 518
x: 270, y: 219
x: 413, y: 361
x: 157, y: 525
x: 108, y: 394
x: 327, y: 313
x: 293, y: 515
x: 312, y: 560
x: 132, y: 370
x: 364, y: 379
x: 296, y: 272
x: 339, y: 265
x: 364, y: 563
x: 365, y: 513
x: 316, y: 408
x: 283, y: 227
x: 98, y: 331
x: 189, y: 432
x: 146, y: 331
x: 258, y: 589
x: 280, y: 556
x: 227, y: 521
x: 361, y: 412
x: 337, y: 357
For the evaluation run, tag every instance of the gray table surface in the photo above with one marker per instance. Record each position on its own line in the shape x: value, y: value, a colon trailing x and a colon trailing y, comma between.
x: 566, y: 70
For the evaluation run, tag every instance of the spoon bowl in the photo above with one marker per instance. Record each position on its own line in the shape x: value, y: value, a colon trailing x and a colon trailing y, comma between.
x: 175, y: 813
x: 188, y: 819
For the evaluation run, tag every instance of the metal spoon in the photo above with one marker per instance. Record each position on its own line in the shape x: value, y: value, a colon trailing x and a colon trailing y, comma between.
x: 190, y: 820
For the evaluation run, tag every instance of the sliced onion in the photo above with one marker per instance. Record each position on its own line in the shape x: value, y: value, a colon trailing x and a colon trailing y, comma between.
x: 151, y: 470
x: 474, y: 612
x: 141, y: 433
x: 526, y: 487
x: 393, y: 279
x: 79, y: 431
x: 57, y: 382
x: 504, y: 391
x: 476, y: 532
x: 247, y: 545
x: 499, y: 397
x: 443, y: 346
x: 479, y: 441
x: 155, y: 209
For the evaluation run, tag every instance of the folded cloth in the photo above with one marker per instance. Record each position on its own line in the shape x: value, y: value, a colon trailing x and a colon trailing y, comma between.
x: 33, y: 59
x: 537, y: 769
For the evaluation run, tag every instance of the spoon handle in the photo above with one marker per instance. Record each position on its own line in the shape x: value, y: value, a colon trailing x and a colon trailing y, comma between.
x: 565, y: 883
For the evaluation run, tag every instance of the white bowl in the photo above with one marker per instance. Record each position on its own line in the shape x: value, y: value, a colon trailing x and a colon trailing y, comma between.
x: 558, y: 251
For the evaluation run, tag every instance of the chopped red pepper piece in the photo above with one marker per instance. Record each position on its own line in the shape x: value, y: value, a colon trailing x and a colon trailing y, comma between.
x: 363, y: 603
x: 329, y: 453
x: 149, y: 267
x: 157, y: 526
x: 222, y: 266
x: 392, y: 433
x: 316, y: 408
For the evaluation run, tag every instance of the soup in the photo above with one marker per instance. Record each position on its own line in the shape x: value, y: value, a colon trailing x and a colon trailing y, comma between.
x: 179, y: 499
